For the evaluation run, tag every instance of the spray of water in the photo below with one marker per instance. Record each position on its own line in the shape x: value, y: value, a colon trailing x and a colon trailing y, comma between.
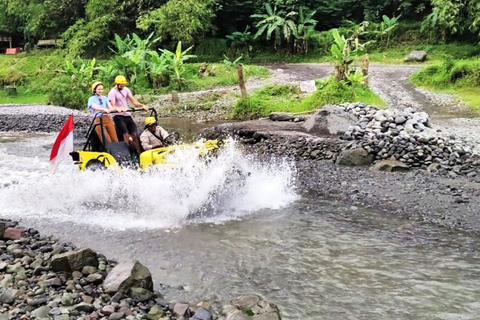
x: 219, y: 188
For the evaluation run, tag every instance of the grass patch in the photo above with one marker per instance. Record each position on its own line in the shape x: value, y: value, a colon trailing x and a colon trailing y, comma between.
x: 223, y: 76
x: 288, y: 98
x: 461, y: 77
x: 24, y: 96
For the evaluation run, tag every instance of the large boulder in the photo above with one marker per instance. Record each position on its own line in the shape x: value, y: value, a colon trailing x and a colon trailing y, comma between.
x: 250, y: 307
x: 355, y: 157
x: 74, y: 260
x: 390, y: 166
x: 128, y: 275
x: 330, y: 120
x: 416, y: 56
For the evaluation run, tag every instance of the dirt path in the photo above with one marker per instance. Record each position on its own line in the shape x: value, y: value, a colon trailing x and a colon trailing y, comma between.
x: 390, y: 82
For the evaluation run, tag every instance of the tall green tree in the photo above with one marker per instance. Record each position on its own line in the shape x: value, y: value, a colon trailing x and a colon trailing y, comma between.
x: 180, y: 20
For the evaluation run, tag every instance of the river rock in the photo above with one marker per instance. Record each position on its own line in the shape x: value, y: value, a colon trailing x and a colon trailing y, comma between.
x: 180, y: 309
x: 155, y: 313
x: 140, y: 294
x: 127, y: 275
x: 202, y: 314
x: 416, y: 56
x: 330, y: 120
x: 281, y: 116
x: 13, y: 234
x: 250, y: 307
x: 390, y: 166
x: 41, y: 312
x: 74, y: 260
x: 355, y: 157
x: 8, y: 296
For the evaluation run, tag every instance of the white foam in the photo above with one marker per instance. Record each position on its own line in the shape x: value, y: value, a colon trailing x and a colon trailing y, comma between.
x: 225, y: 187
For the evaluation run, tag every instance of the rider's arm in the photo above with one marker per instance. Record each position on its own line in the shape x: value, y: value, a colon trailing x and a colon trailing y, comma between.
x: 163, y: 132
x: 145, y: 140
x: 96, y: 107
x: 136, y: 102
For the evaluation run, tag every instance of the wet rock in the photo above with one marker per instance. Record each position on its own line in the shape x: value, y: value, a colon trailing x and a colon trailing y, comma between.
x: 390, y: 166
x: 330, y: 120
x: 202, y: 314
x: 155, y: 313
x: 74, y: 260
x: 108, y: 310
x: 250, y: 307
x: 127, y: 275
x: 180, y: 309
x: 116, y: 316
x: 13, y: 234
x: 355, y: 157
x: 280, y: 116
x: 140, y: 294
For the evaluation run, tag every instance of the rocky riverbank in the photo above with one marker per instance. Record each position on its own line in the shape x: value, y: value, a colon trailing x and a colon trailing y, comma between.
x: 41, y: 278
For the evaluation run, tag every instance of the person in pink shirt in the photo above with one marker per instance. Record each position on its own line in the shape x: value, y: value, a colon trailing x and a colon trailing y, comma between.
x: 119, y: 96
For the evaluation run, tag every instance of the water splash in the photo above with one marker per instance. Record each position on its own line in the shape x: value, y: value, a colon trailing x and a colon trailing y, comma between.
x: 220, y: 188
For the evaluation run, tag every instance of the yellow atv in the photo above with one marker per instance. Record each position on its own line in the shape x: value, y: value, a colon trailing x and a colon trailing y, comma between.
x: 99, y: 154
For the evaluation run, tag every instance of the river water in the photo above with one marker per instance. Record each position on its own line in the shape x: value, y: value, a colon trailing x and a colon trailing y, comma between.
x: 316, y: 259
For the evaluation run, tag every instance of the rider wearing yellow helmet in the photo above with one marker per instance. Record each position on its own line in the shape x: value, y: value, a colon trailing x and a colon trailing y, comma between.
x: 100, y: 106
x: 119, y: 97
x: 153, y: 136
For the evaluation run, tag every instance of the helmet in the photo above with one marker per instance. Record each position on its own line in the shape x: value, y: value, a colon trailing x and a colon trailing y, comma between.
x: 95, y: 85
x: 150, y: 120
x: 120, y: 80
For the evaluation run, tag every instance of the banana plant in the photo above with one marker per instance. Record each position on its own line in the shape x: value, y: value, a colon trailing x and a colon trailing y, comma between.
x: 386, y: 28
x: 81, y: 72
x: 305, y: 27
x: 275, y: 23
x: 344, y: 51
x: 177, y: 60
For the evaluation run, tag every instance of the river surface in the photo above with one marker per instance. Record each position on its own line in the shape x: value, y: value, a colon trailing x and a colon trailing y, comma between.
x: 316, y: 259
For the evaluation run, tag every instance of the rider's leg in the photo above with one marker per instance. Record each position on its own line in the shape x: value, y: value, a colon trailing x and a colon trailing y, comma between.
x: 136, y: 142
x: 110, y: 128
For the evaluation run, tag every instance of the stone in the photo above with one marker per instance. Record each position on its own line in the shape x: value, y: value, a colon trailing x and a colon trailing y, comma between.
x: 246, y: 302
x: 13, y: 234
x: 108, y: 310
x: 400, y: 120
x: 280, y: 116
x: 84, y: 307
x: 41, y: 312
x: 128, y: 275
x: 202, y: 314
x: 416, y: 56
x: 354, y: 157
x: 116, y: 316
x: 94, y: 278
x: 62, y: 317
x: 434, y: 167
x: 9, y: 296
x: 67, y: 299
x: 155, y: 313
x: 329, y: 120
x: 180, y: 309
x: 140, y: 294
x: 390, y: 166
x: 74, y: 260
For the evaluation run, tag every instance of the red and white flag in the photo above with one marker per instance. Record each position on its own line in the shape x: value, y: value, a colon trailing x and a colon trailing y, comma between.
x: 63, y: 145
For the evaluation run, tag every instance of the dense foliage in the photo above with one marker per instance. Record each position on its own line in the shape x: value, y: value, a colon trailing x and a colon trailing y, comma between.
x: 238, y: 26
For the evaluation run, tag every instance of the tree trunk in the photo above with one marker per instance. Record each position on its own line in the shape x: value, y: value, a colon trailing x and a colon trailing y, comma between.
x: 241, y: 82
x: 175, y: 99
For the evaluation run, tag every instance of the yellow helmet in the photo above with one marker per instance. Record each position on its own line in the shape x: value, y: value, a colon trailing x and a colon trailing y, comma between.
x: 150, y: 120
x: 120, y: 80
x: 95, y: 85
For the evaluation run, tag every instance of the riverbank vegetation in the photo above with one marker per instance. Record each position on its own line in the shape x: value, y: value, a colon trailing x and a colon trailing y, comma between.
x: 160, y: 45
x: 289, y: 98
x: 460, y: 77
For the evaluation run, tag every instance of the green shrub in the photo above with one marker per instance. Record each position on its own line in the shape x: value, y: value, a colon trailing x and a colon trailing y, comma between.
x: 12, y: 76
x: 211, y: 49
x: 460, y: 74
x: 62, y: 92
x: 249, y: 108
